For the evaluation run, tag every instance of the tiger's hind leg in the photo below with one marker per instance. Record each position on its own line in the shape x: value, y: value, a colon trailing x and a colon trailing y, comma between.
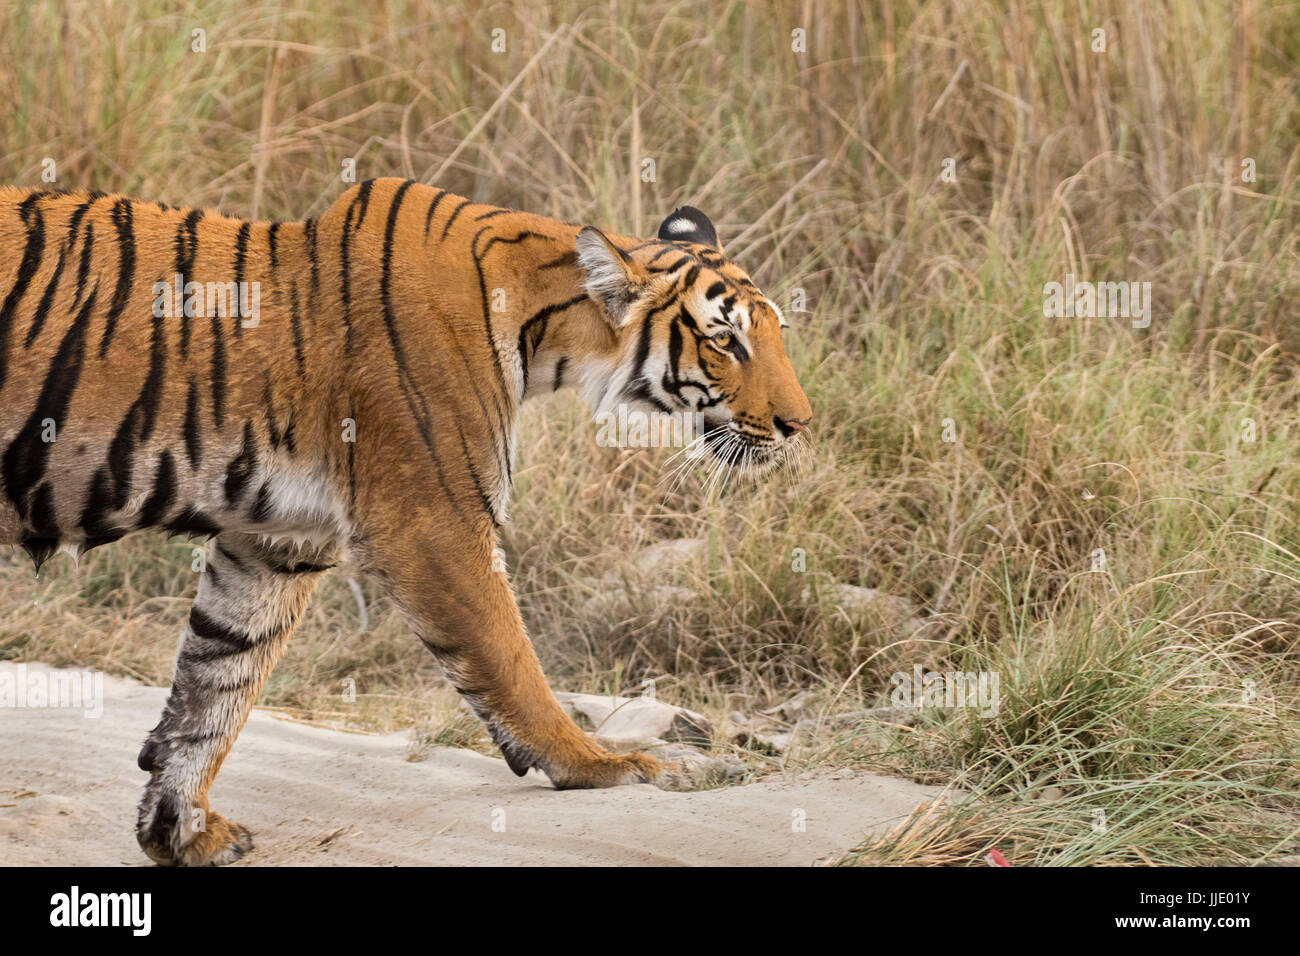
x: 250, y: 597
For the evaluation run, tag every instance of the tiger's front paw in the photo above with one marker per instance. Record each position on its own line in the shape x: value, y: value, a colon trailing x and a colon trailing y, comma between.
x: 687, y: 770
x: 609, y: 770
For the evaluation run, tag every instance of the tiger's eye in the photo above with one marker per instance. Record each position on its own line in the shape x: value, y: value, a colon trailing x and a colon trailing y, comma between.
x: 721, y: 339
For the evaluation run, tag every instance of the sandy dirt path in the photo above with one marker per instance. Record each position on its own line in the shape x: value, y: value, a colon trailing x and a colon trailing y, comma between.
x: 312, y: 796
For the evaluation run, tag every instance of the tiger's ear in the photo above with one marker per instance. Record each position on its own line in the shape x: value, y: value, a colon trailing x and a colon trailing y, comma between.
x: 613, y: 278
x: 688, y: 224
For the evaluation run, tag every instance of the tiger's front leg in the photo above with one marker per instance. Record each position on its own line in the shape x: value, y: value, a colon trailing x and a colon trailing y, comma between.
x: 250, y: 597
x: 457, y: 597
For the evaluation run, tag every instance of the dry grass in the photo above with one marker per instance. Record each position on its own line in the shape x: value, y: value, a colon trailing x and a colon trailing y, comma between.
x: 1123, y: 688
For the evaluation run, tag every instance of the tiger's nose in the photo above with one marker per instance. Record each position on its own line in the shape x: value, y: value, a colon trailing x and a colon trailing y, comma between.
x: 790, y: 426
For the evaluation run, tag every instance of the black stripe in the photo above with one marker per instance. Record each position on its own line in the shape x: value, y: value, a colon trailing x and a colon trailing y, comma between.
x: 193, y: 433
x: 241, y: 253
x: 643, y: 342
x: 112, y: 483
x: 27, y: 456
x: 167, y: 814
x: 672, y: 382
x: 675, y: 345
x: 123, y: 222
x: 43, y: 306
x: 31, y: 217
x: 121, y: 456
x: 309, y: 232
x: 261, y: 510
x: 220, y: 640
x: 569, y: 258
x: 224, y: 687
x: 428, y: 216
x: 270, y: 243
x: 290, y: 434
x: 452, y: 218
x: 363, y: 196
x: 99, y: 540
x: 527, y: 350
x: 295, y: 321
x: 304, y: 567
x: 44, y: 522
x: 230, y: 556
x: 218, y: 374
x: 241, y: 467
x: 512, y: 240
x: 410, y: 389
x: 151, y: 392
x: 95, y: 514
x: 474, y: 477
x: 672, y: 266
x: 362, y: 199
x: 559, y: 373
x: 187, y: 249
x: 502, y: 454
x: 661, y: 253
x: 503, y: 461
x: 494, y: 212
x: 43, y: 540
x: 685, y: 316
x: 638, y: 388
x: 38, y: 549
x: 83, y: 271
x: 164, y: 492
x: 192, y: 522
x: 415, y: 400
x: 268, y: 399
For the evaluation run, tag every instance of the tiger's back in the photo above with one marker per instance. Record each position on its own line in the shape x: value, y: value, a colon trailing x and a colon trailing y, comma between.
x: 181, y: 369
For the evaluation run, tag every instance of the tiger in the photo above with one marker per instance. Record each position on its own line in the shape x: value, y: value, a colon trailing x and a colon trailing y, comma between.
x: 349, y: 389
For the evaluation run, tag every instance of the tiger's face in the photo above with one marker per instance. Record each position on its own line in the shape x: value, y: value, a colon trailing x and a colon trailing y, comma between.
x: 697, y: 338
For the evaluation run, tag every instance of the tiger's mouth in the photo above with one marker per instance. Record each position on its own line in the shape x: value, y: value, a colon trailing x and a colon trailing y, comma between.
x: 745, y: 454
x: 728, y: 456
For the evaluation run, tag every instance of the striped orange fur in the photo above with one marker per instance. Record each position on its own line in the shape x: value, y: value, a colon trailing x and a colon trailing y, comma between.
x: 367, y: 408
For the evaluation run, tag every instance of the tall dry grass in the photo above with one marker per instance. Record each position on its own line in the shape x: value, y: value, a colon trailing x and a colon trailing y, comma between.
x: 1123, y: 687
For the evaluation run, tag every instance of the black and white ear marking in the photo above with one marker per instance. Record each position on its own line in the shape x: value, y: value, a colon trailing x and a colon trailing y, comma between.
x: 688, y: 224
x: 612, y: 278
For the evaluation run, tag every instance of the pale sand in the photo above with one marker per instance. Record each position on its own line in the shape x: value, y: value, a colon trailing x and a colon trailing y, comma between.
x: 317, y: 797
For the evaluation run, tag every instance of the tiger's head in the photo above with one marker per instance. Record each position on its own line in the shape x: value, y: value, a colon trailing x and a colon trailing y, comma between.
x: 696, y: 338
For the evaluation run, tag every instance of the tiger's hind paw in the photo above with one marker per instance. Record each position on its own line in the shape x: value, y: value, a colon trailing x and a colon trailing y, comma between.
x: 218, y: 842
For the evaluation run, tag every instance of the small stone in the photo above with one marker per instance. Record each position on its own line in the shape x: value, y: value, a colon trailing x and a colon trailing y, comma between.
x: 668, y: 556
x: 636, y: 718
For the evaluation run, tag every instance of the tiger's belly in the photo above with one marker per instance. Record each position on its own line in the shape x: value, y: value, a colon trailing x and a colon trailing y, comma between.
x: 89, y: 493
